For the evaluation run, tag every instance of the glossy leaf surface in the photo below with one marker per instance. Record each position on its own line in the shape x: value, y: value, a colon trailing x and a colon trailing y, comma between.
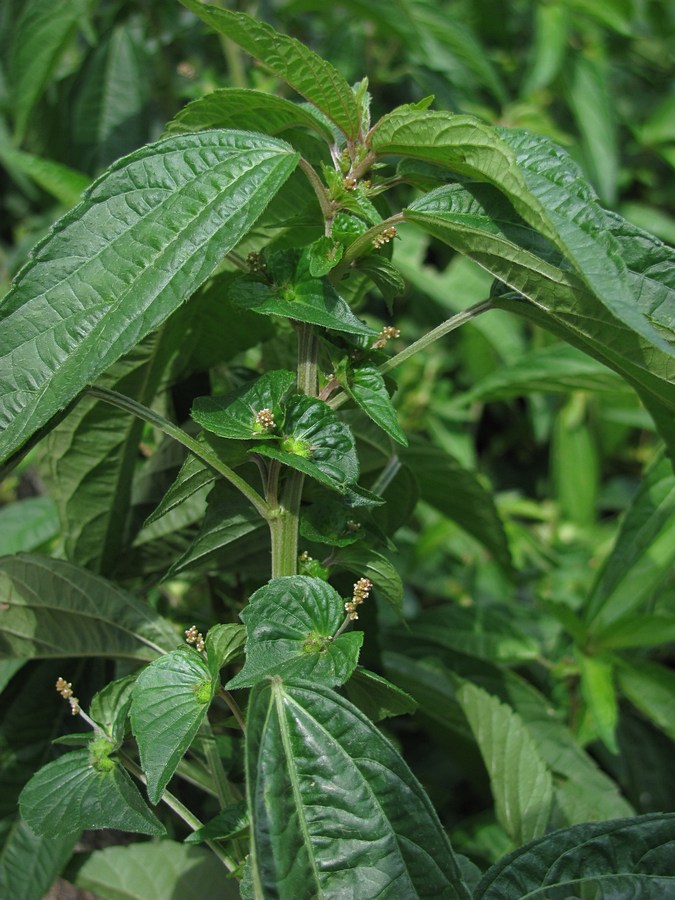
x: 335, y: 810
x: 234, y: 415
x: 290, y: 623
x: 169, y: 701
x: 53, y: 608
x: 148, y: 233
x: 70, y: 794
x: 366, y: 386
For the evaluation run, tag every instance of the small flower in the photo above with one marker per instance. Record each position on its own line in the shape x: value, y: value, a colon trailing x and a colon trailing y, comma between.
x: 384, y: 237
x: 361, y: 591
x: 192, y: 636
x: 349, y: 183
x: 305, y: 557
x: 264, y: 420
x: 64, y: 688
x: 387, y: 334
x: 255, y: 262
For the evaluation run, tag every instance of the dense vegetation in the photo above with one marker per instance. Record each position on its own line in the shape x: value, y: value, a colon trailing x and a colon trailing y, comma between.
x: 399, y: 344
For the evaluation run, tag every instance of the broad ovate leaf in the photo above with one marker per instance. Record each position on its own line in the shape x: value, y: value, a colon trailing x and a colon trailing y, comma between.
x: 147, y: 234
x: 312, y: 77
x: 169, y: 702
x: 77, y: 791
x: 50, y: 608
x: 290, y: 624
x: 335, y: 811
x: 236, y: 415
x: 616, y: 859
x: 366, y: 386
x: 316, y: 442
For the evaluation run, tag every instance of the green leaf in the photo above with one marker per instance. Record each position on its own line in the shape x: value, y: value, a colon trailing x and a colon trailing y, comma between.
x: 41, y: 35
x: 458, y: 494
x: 650, y: 687
x: 386, y: 277
x: 312, y: 77
x: 619, y: 858
x: 234, y: 415
x: 155, y: 870
x: 521, y: 782
x: 60, y: 181
x: 366, y: 563
x: 53, y: 608
x: 650, y: 516
x: 329, y: 522
x: 29, y: 863
x: 249, y: 110
x: 169, y: 702
x: 305, y: 299
x: 71, y: 794
x: 323, y: 255
x: 27, y: 525
x: 335, y: 811
x: 224, y: 643
x: 366, y: 386
x: 195, y: 477
x: 290, y: 623
x: 317, y: 443
x: 376, y: 697
x: 575, y: 463
x: 230, y: 823
x: 599, y: 694
x: 109, y: 708
x: 146, y: 235
x: 644, y: 630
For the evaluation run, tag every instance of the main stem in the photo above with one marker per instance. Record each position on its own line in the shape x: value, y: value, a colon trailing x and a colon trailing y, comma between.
x: 285, y: 519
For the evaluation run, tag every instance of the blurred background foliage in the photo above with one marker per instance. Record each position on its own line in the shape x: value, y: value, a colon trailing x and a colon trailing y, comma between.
x: 560, y: 442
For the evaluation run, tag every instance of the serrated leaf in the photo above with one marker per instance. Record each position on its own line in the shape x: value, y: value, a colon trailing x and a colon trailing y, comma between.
x: 457, y: 493
x: 335, y: 811
x: 313, y: 78
x: 367, y: 563
x: 386, y: 277
x: 251, y: 110
x: 147, y: 234
x: 290, y: 623
x: 376, y: 697
x: 305, y: 299
x: 619, y: 858
x: 234, y: 415
x: 366, y: 386
x: 650, y: 515
x: 223, y: 644
x: 521, y: 782
x: 109, y: 707
x: 29, y: 863
x: 169, y: 702
x: 229, y: 823
x: 41, y: 34
x: 317, y: 443
x: 70, y: 794
x: 650, y: 687
x: 154, y: 870
x: 49, y: 607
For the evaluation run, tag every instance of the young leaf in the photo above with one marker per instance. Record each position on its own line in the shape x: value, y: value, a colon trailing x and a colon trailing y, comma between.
x: 376, y: 697
x: 620, y: 858
x: 235, y: 415
x: 335, y: 811
x: 71, y: 794
x: 249, y: 110
x: 147, y: 234
x: 366, y: 386
x: 223, y: 644
x: 366, y: 563
x: 323, y: 255
x: 290, y: 623
x: 109, y: 708
x: 53, y: 608
x: 29, y: 863
x: 154, y: 870
x: 307, y: 73
x: 169, y: 702
x: 317, y: 443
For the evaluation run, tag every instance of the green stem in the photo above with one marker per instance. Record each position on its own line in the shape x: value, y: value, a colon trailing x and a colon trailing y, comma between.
x: 362, y: 243
x: 227, y: 697
x: 328, y: 208
x: 173, y: 431
x: 182, y: 811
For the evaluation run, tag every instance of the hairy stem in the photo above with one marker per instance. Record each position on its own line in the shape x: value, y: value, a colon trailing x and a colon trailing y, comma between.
x: 327, y: 206
x: 173, y: 431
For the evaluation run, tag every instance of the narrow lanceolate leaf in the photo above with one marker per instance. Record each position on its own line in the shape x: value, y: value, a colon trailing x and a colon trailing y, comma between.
x: 521, y: 782
x: 71, y: 794
x: 366, y: 386
x: 52, y: 608
x: 617, y: 592
x: 312, y: 77
x: 169, y: 701
x: 29, y: 863
x: 316, y: 442
x: 650, y: 687
x: 235, y: 415
x: 599, y: 694
x: 147, y: 234
x: 290, y: 623
x: 335, y: 811
x: 620, y: 858
x: 252, y: 110
x: 61, y: 182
